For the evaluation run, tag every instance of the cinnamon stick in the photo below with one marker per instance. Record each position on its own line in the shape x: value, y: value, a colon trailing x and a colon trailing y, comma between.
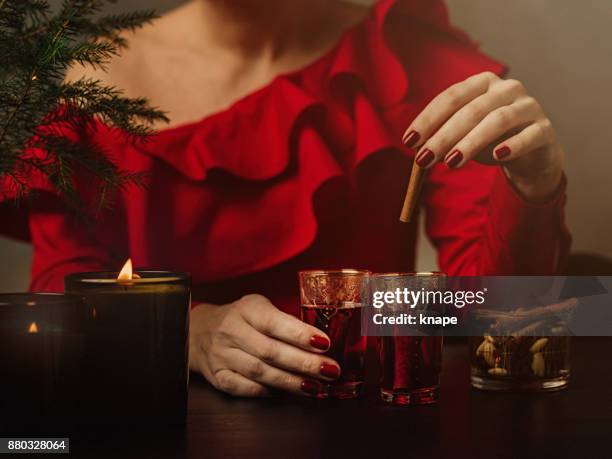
x: 538, y: 313
x: 412, y: 193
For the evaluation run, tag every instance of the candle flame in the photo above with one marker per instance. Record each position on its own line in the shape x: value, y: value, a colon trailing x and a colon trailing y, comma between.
x: 127, y: 272
x: 33, y: 328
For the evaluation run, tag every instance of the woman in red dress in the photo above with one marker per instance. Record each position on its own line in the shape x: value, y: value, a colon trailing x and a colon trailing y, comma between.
x: 294, y: 125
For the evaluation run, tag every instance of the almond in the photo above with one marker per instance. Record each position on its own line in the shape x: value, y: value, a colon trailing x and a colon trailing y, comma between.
x: 538, y: 365
x: 538, y: 345
x: 488, y: 352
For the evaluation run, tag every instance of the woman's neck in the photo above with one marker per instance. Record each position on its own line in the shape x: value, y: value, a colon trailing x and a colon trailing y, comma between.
x: 257, y: 29
x: 256, y: 26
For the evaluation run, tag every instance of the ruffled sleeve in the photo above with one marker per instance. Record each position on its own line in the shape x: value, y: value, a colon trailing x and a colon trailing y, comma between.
x: 474, y: 217
x: 481, y: 226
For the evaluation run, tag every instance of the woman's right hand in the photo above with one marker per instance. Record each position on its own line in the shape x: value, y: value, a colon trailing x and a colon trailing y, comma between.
x: 247, y: 347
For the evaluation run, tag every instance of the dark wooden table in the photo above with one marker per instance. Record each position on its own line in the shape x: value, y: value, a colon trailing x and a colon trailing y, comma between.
x: 575, y: 423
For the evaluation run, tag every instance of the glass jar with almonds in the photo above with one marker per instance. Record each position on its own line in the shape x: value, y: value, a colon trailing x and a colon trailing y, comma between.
x: 536, y: 363
x: 525, y: 349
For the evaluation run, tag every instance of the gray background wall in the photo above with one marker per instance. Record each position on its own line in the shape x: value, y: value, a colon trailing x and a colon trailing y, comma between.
x: 562, y: 51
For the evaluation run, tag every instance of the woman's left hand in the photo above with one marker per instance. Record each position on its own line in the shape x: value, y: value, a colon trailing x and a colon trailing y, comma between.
x: 493, y: 121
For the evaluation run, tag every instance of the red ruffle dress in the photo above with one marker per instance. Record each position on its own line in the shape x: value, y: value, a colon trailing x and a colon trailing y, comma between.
x: 307, y: 172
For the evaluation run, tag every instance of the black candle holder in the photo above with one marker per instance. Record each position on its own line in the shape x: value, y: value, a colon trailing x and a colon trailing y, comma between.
x: 42, y: 344
x: 136, y: 364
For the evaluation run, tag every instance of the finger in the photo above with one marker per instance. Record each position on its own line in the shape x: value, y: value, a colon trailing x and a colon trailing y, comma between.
x: 287, y: 356
x: 262, y: 373
x: 267, y: 319
x: 493, y: 126
x: 236, y: 384
x: 533, y: 137
x: 463, y: 121
x: 442, y: 107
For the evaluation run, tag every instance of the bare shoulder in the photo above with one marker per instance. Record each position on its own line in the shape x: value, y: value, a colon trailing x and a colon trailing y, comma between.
x: 114, y: 72
x: 126, y: 69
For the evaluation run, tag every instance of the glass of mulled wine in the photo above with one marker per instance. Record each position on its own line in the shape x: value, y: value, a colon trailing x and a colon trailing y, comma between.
x: 409, y: 365
x: 333, y: 301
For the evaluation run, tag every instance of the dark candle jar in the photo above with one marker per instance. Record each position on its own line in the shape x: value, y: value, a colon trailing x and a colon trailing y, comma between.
x: 42, y: 342
x: 136, y: 365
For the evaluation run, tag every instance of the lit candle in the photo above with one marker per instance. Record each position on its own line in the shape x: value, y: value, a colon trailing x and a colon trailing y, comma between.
x: 42, y: 341
x: 137, y: 352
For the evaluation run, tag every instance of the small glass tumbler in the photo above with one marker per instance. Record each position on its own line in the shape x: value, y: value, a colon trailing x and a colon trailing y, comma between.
x: 409, y: 365
x: 42, y: 345
x: 333, y: 301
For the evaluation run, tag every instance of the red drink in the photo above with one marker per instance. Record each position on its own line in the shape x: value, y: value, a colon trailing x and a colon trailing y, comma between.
x: 409, y: 365
x: 342, y: 324
x: 332, y: 301
x: 410, y: 369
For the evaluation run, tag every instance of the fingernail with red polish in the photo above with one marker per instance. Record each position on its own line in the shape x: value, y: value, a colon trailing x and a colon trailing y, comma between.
x: 425, y: 158
x: 453, y: 159
x: 411, y: 139
x: 310, y: 387
x: 319, y: 342
x: 502, y: 152
x: 329, y: 371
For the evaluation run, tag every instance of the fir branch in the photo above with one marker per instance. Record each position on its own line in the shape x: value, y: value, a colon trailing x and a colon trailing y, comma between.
x: 37, y: 106
x: 108, y: 103
x: 95, y: 54
x: 13, y: 113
